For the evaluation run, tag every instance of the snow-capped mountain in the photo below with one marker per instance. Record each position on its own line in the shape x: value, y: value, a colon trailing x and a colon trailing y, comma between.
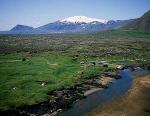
x: 81, y: 24
x: 71, y: 24
x: 82, y: 19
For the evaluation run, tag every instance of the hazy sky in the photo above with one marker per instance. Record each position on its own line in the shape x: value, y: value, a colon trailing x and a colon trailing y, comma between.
x: 39, y: 12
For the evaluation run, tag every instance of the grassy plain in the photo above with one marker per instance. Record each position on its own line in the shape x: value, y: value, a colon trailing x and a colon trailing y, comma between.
x: 53, y: 61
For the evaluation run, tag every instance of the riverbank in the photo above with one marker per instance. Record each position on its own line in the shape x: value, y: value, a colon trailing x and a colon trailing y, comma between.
x: 134, y: 103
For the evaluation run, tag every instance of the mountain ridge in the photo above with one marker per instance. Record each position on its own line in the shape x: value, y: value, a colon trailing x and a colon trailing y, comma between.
x: 81, y: 24
x: 140, y: 24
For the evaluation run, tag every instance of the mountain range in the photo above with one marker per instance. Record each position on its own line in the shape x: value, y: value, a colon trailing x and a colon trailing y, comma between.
x: 84, y: 24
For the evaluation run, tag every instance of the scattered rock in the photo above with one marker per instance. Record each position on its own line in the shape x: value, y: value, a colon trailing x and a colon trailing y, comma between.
x: 43, y: 84
x: 14, y: 88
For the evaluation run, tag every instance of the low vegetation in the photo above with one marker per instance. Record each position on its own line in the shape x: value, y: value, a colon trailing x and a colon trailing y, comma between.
x: 33, y: 65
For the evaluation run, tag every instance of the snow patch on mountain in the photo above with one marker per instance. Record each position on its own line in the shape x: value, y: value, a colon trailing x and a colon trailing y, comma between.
x: 82, y: 19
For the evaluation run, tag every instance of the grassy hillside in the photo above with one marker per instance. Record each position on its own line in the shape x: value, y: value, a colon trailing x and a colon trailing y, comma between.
x: 140, y: 24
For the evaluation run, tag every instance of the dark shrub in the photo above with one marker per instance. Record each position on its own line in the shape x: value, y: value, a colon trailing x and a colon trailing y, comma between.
x: 23, y: 59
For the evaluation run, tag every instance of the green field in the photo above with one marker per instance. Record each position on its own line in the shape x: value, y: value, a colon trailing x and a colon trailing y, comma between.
x: 21, y: 81
x: 53, y: 61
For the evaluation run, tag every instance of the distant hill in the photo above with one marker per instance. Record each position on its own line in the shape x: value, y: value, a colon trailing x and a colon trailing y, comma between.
x: 19, y: 29
x: 140, y: 24
x: 22, y: 28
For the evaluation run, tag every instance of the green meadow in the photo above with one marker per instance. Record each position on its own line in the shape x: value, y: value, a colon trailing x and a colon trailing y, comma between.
x: 21, y: 81
x: 29, y: 81
x: 33, y: 65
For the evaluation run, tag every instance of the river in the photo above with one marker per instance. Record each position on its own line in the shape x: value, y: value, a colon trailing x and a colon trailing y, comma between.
x: 99, y: 98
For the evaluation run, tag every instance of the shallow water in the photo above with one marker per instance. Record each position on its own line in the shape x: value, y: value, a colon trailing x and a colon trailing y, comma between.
x: 101, y: 97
